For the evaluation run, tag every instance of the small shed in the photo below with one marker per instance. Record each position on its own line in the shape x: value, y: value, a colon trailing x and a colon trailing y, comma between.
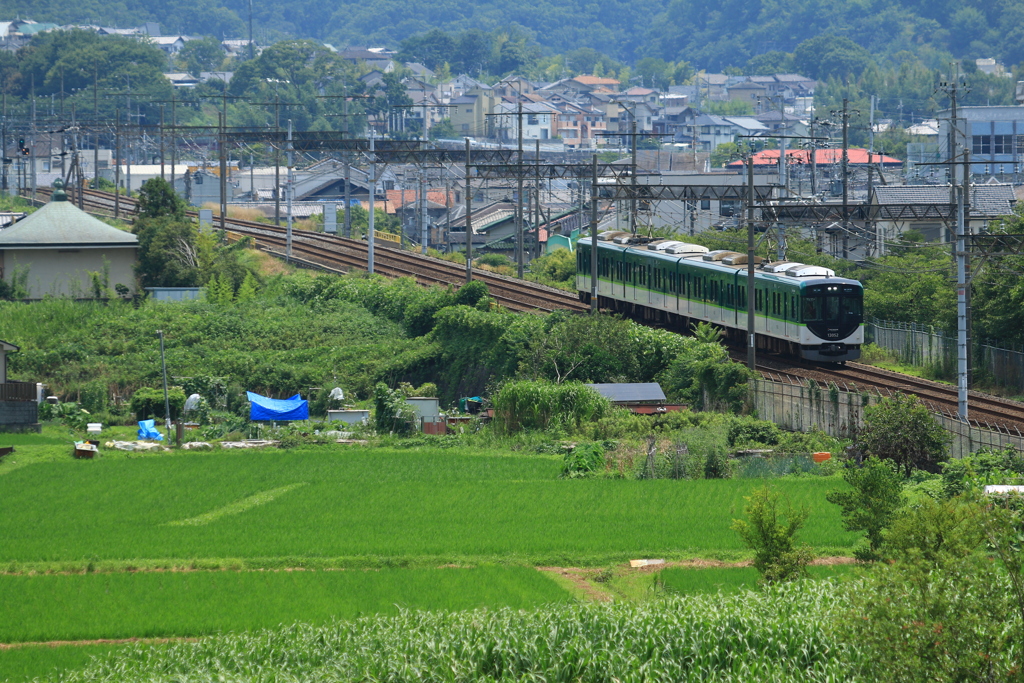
x: 59, y: 247
x: 643, y: 398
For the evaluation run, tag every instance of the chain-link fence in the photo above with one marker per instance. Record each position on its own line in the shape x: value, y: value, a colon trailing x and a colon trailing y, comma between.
x: 926, y: 346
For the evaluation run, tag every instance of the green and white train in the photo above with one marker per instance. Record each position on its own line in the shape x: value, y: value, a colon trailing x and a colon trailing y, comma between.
x: 800, y: 310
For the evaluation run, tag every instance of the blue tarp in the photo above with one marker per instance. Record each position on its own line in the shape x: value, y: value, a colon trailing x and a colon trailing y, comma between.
x: 282, y: 410
x: 147, y: 430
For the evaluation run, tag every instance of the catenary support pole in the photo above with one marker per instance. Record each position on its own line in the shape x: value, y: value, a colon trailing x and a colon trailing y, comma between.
x: 751, y: 330
x: 469, y: 220
x: 593, y: 235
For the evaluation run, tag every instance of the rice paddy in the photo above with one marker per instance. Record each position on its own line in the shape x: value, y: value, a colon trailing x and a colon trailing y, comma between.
x: 180, y: 604
x: 365, y: 507
x: 74, y: 529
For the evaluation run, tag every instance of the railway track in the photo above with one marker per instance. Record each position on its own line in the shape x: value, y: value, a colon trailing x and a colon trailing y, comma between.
x: 338, y: 254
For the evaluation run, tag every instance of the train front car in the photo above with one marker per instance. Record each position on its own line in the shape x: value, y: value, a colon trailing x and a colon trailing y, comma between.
x: 832, y: 316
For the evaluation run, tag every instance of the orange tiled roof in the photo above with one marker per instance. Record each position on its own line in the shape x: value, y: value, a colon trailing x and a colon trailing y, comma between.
x: 595, y: 80
x: 399, y: 198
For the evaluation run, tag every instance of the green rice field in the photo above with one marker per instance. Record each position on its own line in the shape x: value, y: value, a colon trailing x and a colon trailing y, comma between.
x: 169, y: 604
x: 371, y: 506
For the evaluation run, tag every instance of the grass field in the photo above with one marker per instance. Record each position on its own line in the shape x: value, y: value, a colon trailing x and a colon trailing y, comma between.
x: 371, y: 506
x: 167, y: 604
x: 734, y: 579
x: 776, y: 636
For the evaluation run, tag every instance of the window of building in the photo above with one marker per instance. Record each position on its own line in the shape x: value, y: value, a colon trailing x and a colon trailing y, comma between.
x: 469, y: 110
x: 728, y: 207
x: 531, y: 120
x: 981, y: 144
x: 705, y: 205
x: 1002, y: 144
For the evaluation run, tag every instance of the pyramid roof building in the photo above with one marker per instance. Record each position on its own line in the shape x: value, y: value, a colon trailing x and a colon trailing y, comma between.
x: 60, y: 224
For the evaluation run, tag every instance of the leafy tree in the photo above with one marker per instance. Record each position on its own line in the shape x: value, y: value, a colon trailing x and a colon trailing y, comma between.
x: 774, y: 62
x: 943, y: 610
x: 901, y: 429
x: 157, y: 199
x: 726, y: 153
x: 391, y: 414
x: 826, y: 56
x: 443, y: 130
x: 204, y: 54
x: 871, y: 502
x: 167, y: 253
x: 770, y: 531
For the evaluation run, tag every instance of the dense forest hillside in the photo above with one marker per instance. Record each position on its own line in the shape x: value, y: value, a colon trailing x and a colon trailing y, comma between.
x: 709, y: 35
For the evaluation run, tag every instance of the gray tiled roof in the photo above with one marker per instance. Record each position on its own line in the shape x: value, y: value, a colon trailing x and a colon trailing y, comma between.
x: 986, y: 200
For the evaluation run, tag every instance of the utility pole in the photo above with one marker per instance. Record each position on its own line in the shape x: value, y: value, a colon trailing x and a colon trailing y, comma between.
x: 959, y: 197
x: 163, y: 176
x: 117, y: 163
x: 346, y: 160
x: 222, y: 154
x: 536, y: 201
x: 469, y: 220
x: 424, y: 227
x: 632, y: 200
x: 814, y: 161
x: 593, y: 234
x: 277, y: 162
x: 751, y: 319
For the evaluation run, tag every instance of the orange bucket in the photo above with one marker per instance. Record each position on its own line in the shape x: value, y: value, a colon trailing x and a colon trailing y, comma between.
x: 821, y: 457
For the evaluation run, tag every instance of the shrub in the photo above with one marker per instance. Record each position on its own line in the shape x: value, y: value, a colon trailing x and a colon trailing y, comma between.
x: 148, y: 402
x: 745, y: 431
x: 900, y: 428
x: 770, y: 531
x: 391, y: 414
x: 871, y: 502
x: 582, y: 460
x: 520, y: 405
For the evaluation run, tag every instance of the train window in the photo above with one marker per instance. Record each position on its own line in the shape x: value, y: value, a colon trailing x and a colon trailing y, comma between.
x: 812, y: 309
x: 758, y: 300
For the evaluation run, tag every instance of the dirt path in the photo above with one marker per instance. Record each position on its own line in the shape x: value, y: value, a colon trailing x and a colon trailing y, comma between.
x: 578, y: 577
x: 98, y: 641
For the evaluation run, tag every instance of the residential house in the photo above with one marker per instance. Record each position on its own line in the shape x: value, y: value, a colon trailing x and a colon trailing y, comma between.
x: 419, y: 71
x: 492, y: 223
x: 580, y: 126
x: 638, y: 94
x: 713, y: 131
x: 754, y: 94
x: 783, y: 123
x: 988, y: 202
x: 374, y: 57
x: 469, y: 113
x: 170, y: 44
x: 513, y: 86
x: 540, y: 120
x: 677, y: 121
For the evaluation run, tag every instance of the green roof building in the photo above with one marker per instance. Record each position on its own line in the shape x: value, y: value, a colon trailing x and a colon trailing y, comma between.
x: 56, y: 250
